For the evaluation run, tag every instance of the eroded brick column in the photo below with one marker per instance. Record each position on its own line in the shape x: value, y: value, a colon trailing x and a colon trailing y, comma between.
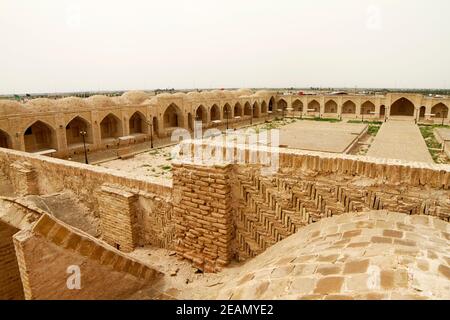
x: 24, y: 179
x: 118, y: 217
x: 203, y: 215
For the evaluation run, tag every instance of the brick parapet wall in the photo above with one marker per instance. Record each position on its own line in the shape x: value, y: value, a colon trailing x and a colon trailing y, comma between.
x: 203, y: 215
x: 55, y: 175
x: 97, y: 261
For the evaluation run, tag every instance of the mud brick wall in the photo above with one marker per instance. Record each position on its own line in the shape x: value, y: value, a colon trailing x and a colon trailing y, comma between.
x: 203, y: 215
x: 55, y: 175
x: 10, y: 283
x: 118, y: 217
x: 306, y: 187
x: 24, y: 179
x: 50, y: 175
x: 45, y: 252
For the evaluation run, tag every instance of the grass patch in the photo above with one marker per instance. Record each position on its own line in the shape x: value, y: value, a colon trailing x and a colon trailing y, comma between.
x: 332, y: 120
x: 379, y: 123
x: 434, y: 147
x: 373, y: 129
x: 166, y: 167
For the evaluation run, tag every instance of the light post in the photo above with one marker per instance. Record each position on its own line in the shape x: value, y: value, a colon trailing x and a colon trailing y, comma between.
x: 226, y: 115
x: 443, y: 117
x: 83, y: 134
x: 150, y: 126
x: 251, y: 115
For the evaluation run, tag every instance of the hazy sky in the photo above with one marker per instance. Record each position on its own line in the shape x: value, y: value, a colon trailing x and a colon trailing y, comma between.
x: 62, y: 45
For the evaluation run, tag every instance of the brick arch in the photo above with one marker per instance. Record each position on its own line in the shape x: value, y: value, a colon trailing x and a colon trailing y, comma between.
x: 440, y: 110
x: 297, y: 105
x: 331, y: 106
x: 201, y: 114
x: 367, y: 107
x: 74, y: 127
x: 402, y: 107
x: 138, y: 123
x: 39, y: 136
x: 111, y: 127
x: 349, y: 107
x: 227, y: 111
x: 282, y: 104
x: 172, y: 116
x: 215, y: 113
x: 237, y: 111
x: 5, y: 140
x: 314, y: 105
x: 247, y: 109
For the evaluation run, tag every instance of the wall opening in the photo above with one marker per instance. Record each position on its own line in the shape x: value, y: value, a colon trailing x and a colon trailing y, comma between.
x: 5, y: 140
x: 349, y: 107
x: 297, y: 105
x: 402, y: 107
x: 110, y: 127
x: 74, y: 129
x: 138, y: 123
x: 215, y: 113
x: 172, y: 117
x: 331, y: 107
x: 39, y: 136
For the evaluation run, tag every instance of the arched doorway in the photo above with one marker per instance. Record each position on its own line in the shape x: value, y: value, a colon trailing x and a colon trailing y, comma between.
x: 247, y: 109
x: 367, y: 108
x: 349, y: 107
x: 5, y: 140
x: 215, y: 113
x: 39, y: 136
x: 331, y: 107
x: 138, y: 123
x: 111, y: 127
x: 201, y: 114
x: 402, y: 107
x: 74, y: 129
x: 172, y: 117
x: 271, y: 104
x: 440, y: 111
x: 281, y: 105
x: 297, y: 106
x: 314, y: 106
x: 227, y: 112
x: 237, y: 110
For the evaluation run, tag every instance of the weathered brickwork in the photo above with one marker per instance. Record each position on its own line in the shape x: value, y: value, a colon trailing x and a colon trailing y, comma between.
x: 118, y: 217
x: 203, y: 215
x: 306, y: 187
x: 154, y: 207
x: 24, y: 179
x: 274, y: 207
x: 10, y: 283
x: 45, y: 252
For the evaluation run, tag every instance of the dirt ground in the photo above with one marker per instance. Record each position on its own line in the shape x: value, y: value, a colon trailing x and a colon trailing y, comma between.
x: 294, y: 133
x: 155, y: 164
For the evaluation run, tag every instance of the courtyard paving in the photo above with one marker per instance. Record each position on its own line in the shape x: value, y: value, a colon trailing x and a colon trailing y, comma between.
x: 320, y: 136
x: 399, y: 139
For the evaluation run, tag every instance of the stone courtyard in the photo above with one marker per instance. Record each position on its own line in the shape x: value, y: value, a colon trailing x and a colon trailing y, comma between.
x: 350, y: 209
